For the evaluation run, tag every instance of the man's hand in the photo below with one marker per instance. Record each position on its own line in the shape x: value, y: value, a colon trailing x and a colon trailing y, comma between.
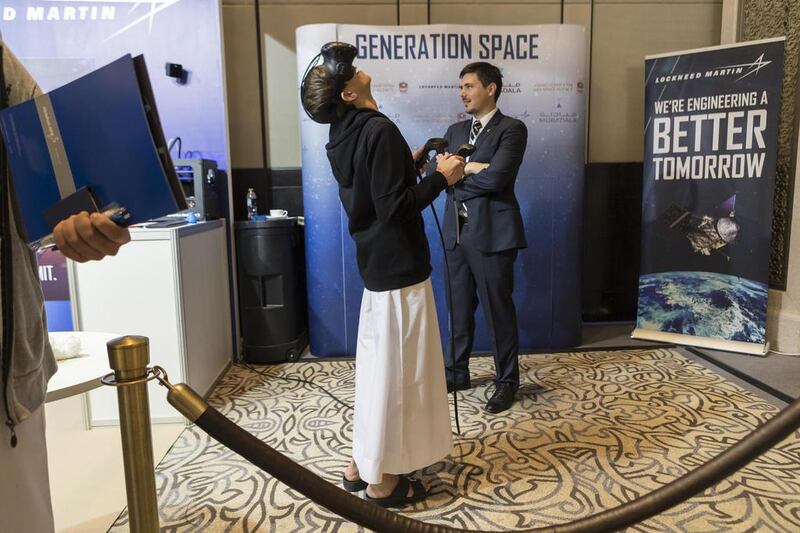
x: 473, y: 167
x: 451, y: 166
x: 84, y: 237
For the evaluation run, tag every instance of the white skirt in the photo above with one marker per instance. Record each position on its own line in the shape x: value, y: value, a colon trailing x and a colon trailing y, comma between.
x: 402, y: 418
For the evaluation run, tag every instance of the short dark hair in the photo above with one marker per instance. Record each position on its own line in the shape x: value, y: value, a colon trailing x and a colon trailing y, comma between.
x: 487, y: 73
x: 321, y: 97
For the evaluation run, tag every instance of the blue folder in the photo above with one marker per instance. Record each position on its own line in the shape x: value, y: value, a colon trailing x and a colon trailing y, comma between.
x: 99, y: 132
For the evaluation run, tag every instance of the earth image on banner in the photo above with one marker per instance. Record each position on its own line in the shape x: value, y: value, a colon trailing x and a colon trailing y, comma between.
x: 705, y: 304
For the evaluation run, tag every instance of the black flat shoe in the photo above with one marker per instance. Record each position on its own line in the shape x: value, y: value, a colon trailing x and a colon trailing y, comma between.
x: 399, y: 496
x: 353, y: 486
x: 502, y: 398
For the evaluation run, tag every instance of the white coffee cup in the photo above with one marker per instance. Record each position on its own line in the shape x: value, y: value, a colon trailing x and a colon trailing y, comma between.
x: 278, y: 212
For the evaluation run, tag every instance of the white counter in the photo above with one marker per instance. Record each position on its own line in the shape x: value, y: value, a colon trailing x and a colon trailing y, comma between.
x: 170, y: 285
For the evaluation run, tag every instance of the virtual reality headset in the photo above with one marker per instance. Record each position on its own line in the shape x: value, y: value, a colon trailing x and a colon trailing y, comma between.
x: 337, y: 58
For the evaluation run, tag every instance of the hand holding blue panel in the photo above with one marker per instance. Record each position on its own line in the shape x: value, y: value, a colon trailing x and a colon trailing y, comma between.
x: 102, y: 132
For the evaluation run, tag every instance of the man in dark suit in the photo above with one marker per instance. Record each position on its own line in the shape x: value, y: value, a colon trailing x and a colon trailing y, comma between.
x: 483, y: 231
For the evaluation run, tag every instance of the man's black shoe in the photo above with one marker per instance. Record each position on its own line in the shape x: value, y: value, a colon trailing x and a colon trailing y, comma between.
x: 502, y: 398
x: 457, y: 386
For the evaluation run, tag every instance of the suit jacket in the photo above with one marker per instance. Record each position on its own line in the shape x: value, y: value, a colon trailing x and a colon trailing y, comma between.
x: 495, y: 223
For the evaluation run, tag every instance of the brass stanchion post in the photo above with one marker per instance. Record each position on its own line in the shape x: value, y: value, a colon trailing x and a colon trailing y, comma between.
x: 129, y: 357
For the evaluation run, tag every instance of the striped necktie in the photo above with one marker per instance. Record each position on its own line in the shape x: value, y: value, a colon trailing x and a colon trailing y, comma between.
x: 476, y: 129
x: 473, y: 134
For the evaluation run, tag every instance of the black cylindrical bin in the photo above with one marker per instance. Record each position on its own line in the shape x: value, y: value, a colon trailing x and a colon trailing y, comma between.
x: 272, y: 303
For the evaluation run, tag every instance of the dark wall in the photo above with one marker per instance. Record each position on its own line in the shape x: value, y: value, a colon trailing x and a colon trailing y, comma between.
x: 612, y: 227
x: 287, y: 190
x: 612, y: 233
x: 274, y: 188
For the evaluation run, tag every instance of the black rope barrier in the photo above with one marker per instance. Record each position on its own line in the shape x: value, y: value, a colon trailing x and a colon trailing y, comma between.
x: 372, y: 516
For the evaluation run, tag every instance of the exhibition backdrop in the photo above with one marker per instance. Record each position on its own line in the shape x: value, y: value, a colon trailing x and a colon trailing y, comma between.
x: 59, y: 41
x: 711, y: 122
x: 415, y: 81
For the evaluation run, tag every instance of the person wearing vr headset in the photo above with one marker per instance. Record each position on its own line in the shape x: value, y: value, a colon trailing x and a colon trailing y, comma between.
x: 402, y: 419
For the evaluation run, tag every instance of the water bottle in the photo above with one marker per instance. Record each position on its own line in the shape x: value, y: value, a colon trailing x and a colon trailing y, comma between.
x: 252, y: 209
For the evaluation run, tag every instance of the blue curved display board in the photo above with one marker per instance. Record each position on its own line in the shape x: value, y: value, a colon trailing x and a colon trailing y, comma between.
x: 60, y: 41
x: 416, y: 85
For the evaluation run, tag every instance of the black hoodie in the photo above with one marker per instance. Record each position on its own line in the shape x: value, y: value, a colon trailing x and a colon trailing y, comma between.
x: 379, y: 191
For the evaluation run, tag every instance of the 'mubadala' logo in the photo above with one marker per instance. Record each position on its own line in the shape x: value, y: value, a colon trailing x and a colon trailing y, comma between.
x: 99, y: 10
x: 557, y: 117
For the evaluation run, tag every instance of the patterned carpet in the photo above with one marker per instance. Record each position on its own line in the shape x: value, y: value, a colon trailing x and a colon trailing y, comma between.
x: 590, y: 430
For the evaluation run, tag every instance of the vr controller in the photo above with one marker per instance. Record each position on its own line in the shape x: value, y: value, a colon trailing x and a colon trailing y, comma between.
x: 440, y: 146
x: 465, y: 150
x: 436, y: 143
